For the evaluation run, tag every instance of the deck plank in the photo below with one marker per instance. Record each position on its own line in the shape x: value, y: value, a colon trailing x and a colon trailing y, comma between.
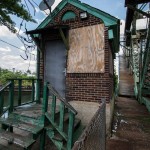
x: 22, y: 141
x: 13, y: 122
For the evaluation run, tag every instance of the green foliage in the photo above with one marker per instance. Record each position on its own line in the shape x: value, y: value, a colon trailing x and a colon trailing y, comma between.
x: 12, y: 7
x: 6, y: 74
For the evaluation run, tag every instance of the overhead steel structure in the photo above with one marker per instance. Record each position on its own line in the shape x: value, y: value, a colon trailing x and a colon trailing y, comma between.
x: 137, y: 47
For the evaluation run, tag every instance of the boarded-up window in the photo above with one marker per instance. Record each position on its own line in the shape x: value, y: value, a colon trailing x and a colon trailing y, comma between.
x: 86, y: 54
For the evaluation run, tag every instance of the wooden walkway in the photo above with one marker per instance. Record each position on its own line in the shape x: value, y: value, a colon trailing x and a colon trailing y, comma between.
x: 126, y: 79
x: 131, y: 125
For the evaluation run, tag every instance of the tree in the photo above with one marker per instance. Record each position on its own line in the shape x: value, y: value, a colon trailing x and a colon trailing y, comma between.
x: 6, y: 74
x: 13, y: 7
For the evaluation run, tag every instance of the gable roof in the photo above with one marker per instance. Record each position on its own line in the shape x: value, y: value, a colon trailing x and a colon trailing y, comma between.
x: 111, y: 22
x: 107, y: 18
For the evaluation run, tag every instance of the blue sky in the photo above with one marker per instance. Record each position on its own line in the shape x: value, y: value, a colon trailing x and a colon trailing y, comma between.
x: 10, y: 56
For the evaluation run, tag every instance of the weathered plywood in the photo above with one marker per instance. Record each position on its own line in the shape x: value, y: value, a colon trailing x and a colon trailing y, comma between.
x: 86, y: 53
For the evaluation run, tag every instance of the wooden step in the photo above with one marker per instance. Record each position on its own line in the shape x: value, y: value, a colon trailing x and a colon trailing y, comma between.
x: 28, y: 119
x: 13, y: 122
x: 12, y: 138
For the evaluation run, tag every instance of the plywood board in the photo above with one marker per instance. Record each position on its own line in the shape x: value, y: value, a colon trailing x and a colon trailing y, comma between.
x: 86, y: 53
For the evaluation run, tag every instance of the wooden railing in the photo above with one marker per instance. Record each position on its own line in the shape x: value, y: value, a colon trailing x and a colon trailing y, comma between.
x: 2, y: 99
x: 63, y: 105
x: 13, y: 90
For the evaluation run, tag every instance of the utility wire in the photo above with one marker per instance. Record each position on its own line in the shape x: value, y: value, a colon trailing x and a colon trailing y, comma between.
x: 16, y: 47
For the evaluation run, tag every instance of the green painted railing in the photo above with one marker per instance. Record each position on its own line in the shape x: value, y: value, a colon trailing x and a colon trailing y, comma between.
x: 63, y: 106
x: 14, y: 89
x: 2, y: 99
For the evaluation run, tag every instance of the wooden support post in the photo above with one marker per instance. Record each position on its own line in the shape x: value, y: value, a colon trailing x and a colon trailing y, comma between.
x: 33, y: 90
x: 38, y: 91
x: 70, y: 130
x: 19, y: 91
x: 61, y: 120
x: 42, y: 139
x: 53, y: 108
x: 64, y: 38
x: 1, y: 101
x: 11, y: 96
x: 45, y: 98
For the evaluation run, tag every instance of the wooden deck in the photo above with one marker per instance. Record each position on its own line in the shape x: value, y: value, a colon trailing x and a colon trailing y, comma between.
x: 126, y: 82
x: 25, y: 121
x: 131, y: 125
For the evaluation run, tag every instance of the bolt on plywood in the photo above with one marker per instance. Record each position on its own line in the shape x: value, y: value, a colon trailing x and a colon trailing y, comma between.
x: 86, y: 53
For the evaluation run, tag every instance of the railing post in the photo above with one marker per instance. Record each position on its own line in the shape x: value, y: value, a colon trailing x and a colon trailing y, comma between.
x: 45, y: 98
x: 70, y: 130
x: 1, y: 101
x: 19, y: 91
x: 53, y: 107
x: 33, y: 90
x: 38, y: 91
x: 61, y: 120
x: 11, y: 96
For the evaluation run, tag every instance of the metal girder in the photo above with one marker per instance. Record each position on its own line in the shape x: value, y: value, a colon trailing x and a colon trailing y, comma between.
x: 138, y: 10
x: 135, y: 2
x: 146, y: 59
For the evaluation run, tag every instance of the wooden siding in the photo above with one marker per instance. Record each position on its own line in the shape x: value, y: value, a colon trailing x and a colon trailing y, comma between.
x: 86, y: 53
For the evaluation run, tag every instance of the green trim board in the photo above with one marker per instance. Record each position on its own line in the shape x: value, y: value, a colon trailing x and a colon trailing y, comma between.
x: 107, y: 18
x: 110, y: 34
x: 109, y: 21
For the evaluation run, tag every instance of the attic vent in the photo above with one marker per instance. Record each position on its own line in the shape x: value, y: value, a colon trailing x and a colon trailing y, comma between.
x: 68, y: 15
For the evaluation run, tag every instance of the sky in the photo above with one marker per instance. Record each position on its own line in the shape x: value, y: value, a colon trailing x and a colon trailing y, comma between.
x: 10, y: 57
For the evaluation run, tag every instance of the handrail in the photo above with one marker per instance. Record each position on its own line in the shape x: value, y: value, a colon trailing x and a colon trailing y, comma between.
x: 51, y: 88
x: 22, y: 79
x: 2, y: 110
x: 59, y: 126
x: 5, y: 86
x: 10, y: 87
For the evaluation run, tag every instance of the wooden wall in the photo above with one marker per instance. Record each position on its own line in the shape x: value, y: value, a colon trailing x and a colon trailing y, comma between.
x: 86, y: 53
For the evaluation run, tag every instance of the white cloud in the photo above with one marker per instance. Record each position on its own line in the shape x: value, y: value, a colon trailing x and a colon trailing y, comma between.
x: 4, y: 32
x: 10, y: 57
x: 55, y: 4
x: 19, y: 30
x: 7, y: 49
x: 22, y: 47
x: 37, y: 10
x: 17, y: 62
